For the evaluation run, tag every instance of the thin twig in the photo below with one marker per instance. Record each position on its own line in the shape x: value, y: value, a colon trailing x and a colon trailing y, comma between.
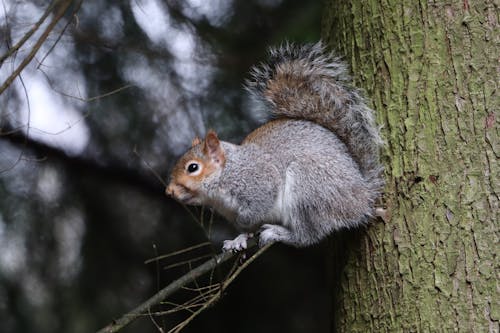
x: 209, y: 265
x: 218, y: 295
x: 158, y: 288
x: 79, y: 98
x: 187, y: 249
x: 75, y: 10
x: 187, y: 262
x: 118, y: 324
x: 28, y: 34
x: 160, y: 179
x: 60, y: 13
x: 211, y: 286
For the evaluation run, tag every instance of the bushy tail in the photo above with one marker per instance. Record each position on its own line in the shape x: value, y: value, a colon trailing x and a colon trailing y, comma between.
x: 306, y: 82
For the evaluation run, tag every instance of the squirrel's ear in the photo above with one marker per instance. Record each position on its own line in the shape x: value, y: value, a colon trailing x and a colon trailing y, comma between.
x: 212, y: 147
x: 196, y: 141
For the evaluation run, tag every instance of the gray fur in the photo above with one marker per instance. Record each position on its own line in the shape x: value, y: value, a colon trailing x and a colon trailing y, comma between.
x: 325, y: 96
x: 312, y: 171
x: 294, y: 184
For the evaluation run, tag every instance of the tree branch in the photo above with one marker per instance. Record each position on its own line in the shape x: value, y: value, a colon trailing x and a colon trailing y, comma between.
x: 28, y: 34
x: 206, y: 267
x: 109, y: 171
x: 59, y: 14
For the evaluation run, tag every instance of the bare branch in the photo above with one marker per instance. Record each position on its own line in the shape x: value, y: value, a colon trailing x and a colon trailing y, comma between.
x: 113, y: 171
x: 219, y: 294
x: 59, y: 14
x: 194, y: 247
x: 28, y: 34
x: 118, y: 324
x: 77, y: 8
x: 189, y: 277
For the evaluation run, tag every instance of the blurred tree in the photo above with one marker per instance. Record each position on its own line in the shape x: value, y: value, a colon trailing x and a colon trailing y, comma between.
x: 431, y: 69
x: 98, y: 95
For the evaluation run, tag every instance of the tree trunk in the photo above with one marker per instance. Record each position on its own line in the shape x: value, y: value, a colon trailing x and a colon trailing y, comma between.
x: 431, y: 71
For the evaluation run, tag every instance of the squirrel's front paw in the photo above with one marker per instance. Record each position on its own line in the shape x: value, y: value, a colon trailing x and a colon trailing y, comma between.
x: 237, y: 244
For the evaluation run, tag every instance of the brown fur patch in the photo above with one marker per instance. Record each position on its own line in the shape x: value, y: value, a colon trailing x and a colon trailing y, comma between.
x: 258, y: 132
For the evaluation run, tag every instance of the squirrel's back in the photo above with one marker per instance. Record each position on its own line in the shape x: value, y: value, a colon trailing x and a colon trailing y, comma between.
x: 287, y: 139
x: 320, y: 181
x: 306, y: 82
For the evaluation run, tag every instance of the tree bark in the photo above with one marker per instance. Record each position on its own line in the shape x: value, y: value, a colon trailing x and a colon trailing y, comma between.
x: 431, y: 70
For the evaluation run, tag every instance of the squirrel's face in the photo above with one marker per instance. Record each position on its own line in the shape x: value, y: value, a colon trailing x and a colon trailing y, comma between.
x: 190, y: 172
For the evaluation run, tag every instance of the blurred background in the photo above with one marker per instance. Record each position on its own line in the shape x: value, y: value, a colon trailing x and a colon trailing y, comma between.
x: 89, y: 131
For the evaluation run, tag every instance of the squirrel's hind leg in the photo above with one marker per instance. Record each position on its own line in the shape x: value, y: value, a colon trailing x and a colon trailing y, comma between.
x: 270, y: 233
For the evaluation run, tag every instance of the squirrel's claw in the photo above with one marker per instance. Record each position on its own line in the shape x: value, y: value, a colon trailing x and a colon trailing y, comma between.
x: 237, y: 244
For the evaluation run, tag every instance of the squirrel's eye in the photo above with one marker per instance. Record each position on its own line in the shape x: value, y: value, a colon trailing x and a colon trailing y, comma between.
x: 193, y: 167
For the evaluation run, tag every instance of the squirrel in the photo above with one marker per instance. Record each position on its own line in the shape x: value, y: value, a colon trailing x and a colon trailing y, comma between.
x: 311, y: 170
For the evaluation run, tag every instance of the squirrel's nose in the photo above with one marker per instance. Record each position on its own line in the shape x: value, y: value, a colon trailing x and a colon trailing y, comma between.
x: 169, y: 190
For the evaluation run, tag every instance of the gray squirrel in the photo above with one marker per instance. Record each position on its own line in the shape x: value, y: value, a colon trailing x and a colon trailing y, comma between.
x: 311, y: 170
